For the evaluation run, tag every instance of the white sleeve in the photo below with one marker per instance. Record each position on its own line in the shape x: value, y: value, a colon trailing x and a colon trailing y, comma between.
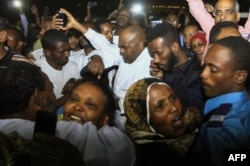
x: 97, y: 146
x: 97, y: 40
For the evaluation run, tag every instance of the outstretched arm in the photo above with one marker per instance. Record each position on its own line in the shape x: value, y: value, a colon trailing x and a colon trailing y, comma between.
x: 201, y: 15
x: 247, y: 24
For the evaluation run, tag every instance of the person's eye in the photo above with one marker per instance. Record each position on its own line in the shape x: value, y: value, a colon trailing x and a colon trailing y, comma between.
x: 71, y: 98
x: 160, y: 105
x: 200, y: 44
x: 172, y: 98
x: 213, y: 70
x: 217, y: 12
x: 92, y: 105
x: 230, y: 11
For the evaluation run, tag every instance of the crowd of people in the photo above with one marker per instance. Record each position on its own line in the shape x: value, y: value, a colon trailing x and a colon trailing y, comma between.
x: 126, y: 92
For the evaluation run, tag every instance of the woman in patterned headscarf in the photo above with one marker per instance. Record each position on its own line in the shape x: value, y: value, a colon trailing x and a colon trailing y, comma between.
x: 158, y: 124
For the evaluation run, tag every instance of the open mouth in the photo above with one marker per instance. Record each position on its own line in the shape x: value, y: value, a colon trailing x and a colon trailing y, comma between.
x: 75, y: 118
x: 178, y: 122
x: 177, y: 118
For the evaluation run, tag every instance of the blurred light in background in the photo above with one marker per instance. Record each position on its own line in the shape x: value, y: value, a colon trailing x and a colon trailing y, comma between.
x: 137, y: 8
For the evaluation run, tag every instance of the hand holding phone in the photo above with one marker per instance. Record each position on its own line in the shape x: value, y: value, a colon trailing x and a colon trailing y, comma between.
x: 62, y: 16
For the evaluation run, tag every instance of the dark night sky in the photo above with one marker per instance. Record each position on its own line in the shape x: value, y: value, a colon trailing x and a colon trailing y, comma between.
x: 104, y: 6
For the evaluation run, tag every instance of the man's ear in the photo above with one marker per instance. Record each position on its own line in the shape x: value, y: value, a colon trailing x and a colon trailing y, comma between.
x: 38, y: 98
x: 241, y: 77
x: 238, y: 16
x: 175, y: 47
x: 47, y: 52
x: 141, y: 44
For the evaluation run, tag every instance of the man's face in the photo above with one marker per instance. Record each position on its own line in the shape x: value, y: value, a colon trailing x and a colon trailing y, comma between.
x: 174, y: 20
x: 123, y: 18
x: 162, y: 54
x: 60, y: 55
x: 218, y: 74
x: 188, y: 33
x: 74, y: 43
x: 129, y: 46
x: 106, y: 30
x: 225, y: 11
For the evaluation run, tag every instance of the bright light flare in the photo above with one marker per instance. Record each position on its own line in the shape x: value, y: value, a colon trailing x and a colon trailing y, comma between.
x: 137, y: 8
x: 17, y: 3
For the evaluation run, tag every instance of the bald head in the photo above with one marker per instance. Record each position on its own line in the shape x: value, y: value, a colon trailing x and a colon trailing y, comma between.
x: 131, y: 42
x: 133, y: 32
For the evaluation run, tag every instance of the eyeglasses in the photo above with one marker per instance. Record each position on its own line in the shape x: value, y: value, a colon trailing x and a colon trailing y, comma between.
x: 227, y: 12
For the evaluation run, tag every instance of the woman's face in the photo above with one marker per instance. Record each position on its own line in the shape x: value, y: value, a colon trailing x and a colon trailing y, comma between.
x: 166, y: 114
x: 86, y: 103
x: 198, y: 47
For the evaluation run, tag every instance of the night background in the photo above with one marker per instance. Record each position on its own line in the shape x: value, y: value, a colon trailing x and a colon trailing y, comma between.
x: 78, y: 7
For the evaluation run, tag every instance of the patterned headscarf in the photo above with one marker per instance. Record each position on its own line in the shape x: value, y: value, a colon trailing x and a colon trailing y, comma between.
x: 137, y: 113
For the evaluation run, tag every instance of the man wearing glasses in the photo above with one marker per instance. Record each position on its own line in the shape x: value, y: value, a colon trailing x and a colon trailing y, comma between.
x: 225, y: 10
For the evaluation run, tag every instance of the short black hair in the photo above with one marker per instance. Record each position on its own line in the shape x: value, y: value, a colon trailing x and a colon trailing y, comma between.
x: 18, y: 83
x: 4, y: 22
x: 18, y: 33
x: 52, y: 37
x: 74, y: 33
x: 166, y: 31
x: 99, y: 22
x: 216, y: 29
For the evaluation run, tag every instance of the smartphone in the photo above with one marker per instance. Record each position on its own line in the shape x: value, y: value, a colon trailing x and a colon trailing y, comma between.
x: 45, y: 122
x: 61, y: 16
x: 155, y: 22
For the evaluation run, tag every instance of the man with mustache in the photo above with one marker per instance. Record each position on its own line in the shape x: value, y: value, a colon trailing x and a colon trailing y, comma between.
x: 175, y: 66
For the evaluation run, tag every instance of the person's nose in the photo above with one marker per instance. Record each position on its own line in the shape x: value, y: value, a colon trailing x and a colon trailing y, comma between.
x: 66, y: 53
x: 204, y: 73
x: 172, y: 108
x: 156, y: 59
x: 78, y: 107
x: 223, y: 16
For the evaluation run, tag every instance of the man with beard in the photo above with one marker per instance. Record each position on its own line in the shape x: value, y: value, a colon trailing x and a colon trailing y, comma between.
x: 174, y: 66
x: 56, y: 63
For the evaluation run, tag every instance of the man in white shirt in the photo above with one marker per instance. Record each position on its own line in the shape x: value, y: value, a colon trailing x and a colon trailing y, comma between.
x: 56, y: 63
